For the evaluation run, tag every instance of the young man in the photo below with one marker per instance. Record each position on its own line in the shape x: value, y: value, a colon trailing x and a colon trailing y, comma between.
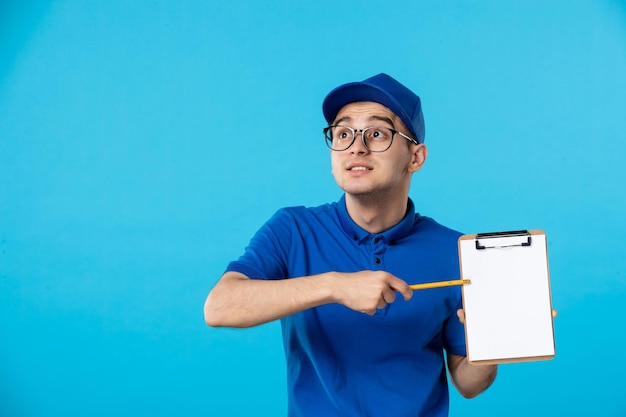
x: 358, y: 341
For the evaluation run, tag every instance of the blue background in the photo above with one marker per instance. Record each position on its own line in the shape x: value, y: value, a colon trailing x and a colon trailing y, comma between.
x: 143, y: 143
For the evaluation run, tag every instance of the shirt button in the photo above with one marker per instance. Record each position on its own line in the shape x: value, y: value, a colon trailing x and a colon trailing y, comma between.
x: 377, y: 260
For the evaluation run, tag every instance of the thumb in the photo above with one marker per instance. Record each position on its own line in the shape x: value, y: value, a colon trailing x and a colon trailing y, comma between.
x: 461, y: 314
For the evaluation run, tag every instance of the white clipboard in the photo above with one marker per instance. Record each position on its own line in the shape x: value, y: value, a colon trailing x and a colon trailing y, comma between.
x: 508, y: 303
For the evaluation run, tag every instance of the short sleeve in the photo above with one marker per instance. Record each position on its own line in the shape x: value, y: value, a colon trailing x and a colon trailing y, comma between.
x: 265, y: 257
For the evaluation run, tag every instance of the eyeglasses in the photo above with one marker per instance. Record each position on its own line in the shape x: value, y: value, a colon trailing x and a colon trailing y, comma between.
x: 375, y: 138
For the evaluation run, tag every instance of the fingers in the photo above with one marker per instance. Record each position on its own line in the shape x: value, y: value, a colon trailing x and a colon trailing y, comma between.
x: 389, y: 296
x: 461, y: 314
x: 391, y: 286
x: 367, y: 291
x: 386, y: 298
x: 398, y: 285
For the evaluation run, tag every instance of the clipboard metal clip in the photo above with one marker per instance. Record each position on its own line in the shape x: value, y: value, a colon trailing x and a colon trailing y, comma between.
x: 507, y: 243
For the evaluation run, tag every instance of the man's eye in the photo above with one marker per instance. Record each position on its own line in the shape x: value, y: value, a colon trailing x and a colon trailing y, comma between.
x: 376, y: 133
x: 342, y: 133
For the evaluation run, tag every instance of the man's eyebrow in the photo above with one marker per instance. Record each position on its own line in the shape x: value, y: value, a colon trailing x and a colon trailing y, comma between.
x: 382, y: 119
x: 371, y: 119
x: 343, y: 119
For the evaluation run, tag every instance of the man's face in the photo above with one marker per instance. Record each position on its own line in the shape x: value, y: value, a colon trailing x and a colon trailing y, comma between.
x: 358, y: 171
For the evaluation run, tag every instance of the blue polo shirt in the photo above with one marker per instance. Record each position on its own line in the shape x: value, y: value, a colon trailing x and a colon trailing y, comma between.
x: 345, y: 363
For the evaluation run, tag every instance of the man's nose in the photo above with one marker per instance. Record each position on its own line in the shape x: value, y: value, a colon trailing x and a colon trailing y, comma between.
x: 358, y: 147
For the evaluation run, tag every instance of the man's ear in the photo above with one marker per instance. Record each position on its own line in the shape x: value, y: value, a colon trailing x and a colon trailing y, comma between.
x: 419, y: 153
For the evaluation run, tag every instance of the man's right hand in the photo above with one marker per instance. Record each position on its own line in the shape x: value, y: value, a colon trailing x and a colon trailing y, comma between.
x: 367, y: 291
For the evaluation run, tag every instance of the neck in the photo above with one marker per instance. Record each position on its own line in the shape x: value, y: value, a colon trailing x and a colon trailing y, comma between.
x: 376, y: 213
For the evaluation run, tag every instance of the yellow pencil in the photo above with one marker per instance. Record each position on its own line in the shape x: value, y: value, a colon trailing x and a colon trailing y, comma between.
x: 439, y: 284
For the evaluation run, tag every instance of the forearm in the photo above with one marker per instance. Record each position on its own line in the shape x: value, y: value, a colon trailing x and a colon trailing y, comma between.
x: 470, y: 380
x: 237, y: 301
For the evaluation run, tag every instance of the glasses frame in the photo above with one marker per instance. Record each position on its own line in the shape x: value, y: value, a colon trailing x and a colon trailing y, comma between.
x: 329, y: 141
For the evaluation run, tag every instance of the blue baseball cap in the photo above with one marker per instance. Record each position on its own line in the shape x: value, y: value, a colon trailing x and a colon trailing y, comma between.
x: 381, y: 89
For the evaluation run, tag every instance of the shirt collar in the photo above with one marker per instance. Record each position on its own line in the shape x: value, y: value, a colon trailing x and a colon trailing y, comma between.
x: 396, y: 232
